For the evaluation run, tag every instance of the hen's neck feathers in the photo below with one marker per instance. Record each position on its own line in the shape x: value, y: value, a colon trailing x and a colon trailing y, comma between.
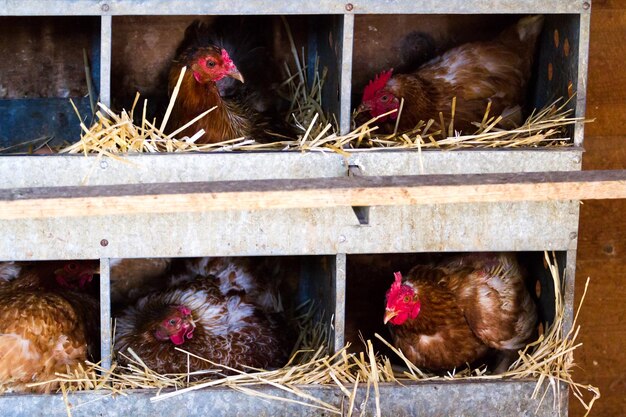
x: 225, y: 122
x: 436, y: 292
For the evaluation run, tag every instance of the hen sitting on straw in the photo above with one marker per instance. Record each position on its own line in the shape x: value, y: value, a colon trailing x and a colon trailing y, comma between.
x: 459, y: 85
x: 449, y: 314
x: 196, y: 316
x: 48, y: 322
x: 228, y: 67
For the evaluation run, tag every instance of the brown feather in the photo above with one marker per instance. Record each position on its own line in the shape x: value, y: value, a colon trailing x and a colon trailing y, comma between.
x: 476, y: 73
x: 469, y: 305
x: 44, y: 328
x: 227, y: 121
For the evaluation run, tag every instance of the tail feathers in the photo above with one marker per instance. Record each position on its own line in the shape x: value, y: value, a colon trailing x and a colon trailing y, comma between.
x: 529, y: 28
x: 524, y: 33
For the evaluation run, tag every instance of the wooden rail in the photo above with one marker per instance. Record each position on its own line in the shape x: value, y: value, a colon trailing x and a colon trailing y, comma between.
x: 308, y: 193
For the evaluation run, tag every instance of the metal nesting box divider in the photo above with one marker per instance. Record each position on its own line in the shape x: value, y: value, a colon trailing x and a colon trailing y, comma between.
x: 331, y: 233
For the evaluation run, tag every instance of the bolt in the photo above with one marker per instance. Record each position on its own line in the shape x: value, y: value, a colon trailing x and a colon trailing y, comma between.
x: 573, y: 235
x: 105, y: 7
x: 349, y: 7
x: 104, y: 242
x: 104, y: 164
x: 586, y: 5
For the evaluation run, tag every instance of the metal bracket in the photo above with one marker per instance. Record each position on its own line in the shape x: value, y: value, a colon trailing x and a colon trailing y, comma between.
x: 362, y: 212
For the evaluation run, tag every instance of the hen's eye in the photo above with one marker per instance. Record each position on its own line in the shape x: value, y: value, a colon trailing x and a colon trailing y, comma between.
x: 72, y: 266
x: 172, y: 322
x: 407, y: 298
x: 384, y: 98
x: 210, y: 64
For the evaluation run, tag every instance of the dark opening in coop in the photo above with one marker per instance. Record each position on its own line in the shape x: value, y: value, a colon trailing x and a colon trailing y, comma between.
x: 453, y: 68
x: 50, y: 322
x: 444, y: 312
x: 274, y: 58
x: 46, y: 61
x: 204, y: 318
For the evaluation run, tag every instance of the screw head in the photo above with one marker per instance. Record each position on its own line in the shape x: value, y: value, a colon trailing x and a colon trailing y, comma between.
x: 341, y: 239
x: 105, y: 7
x: 349, y: 7
x: 586, y: 5
x: 104, y: 242
x: 104, y: 164
x: 573, y: 235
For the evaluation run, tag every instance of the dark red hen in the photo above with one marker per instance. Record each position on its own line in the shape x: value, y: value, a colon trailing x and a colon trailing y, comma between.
x: 233, y: 73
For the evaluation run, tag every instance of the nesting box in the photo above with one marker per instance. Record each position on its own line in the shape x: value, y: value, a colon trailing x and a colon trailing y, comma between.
x: 129, y: 44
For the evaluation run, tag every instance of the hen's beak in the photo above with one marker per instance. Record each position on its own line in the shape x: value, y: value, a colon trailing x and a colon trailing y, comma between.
x: 234, y: 73
x: 389, y: 314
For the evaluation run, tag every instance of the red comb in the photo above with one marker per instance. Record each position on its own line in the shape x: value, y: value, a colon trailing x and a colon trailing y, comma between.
x: 398, y: 281
x: 376, y: 84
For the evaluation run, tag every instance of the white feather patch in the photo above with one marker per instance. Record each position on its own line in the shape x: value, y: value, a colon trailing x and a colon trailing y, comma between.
x: 9, y: 271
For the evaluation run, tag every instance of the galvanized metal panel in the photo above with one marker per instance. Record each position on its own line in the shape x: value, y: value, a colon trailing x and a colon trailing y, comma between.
x: 345, y: 115
x: 569, y: 264
x: 339, y: 297
x: 152, y: 7
x: 60, y: 170
x: 521, y: 226
x: 105, y: 59
x: 105, y: 313
x: 501, y: 398
x: 581, y: 82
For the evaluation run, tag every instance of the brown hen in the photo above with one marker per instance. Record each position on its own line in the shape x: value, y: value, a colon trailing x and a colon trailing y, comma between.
x: 48, y: 323
x: 476, y: 73
x: 453, y: 313
x: 232, y: 73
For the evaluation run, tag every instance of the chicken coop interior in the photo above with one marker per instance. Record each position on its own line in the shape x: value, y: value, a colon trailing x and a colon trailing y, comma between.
x: 368, y: 276
x: 319, y: 41
x: 405, y: 42
x: 336, y: 260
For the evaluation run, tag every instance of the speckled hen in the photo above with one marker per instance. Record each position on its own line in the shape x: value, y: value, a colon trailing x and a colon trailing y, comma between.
x: 197, y: 317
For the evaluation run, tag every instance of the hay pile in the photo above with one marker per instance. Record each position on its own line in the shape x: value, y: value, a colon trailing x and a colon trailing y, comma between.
x: 549, y: 361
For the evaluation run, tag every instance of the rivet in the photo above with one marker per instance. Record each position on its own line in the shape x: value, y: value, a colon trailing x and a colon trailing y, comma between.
x: 349, y: 7
x: 586, y: 5
x: 105, y: 7
x: 104, y: 242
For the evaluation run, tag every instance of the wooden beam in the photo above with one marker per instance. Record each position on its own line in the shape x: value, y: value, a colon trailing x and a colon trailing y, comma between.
x: 308, y: 193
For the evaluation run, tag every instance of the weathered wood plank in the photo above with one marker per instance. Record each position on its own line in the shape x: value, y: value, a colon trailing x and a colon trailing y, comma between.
x: 309, y: 193
x: 602, y: 241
